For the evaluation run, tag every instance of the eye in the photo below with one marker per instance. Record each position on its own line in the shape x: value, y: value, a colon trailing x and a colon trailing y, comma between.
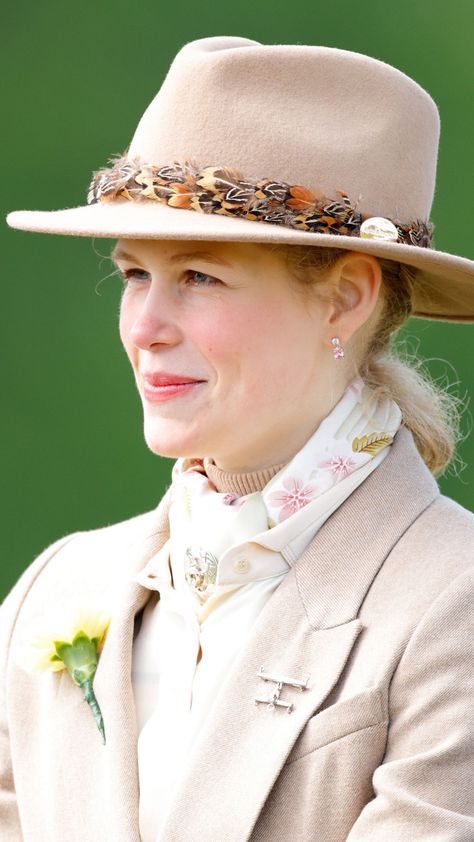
x: 131, y: 275
x: 200, y: 279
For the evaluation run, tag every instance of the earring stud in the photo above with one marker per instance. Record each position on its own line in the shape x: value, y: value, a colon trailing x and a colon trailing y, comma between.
x: 337, y: 349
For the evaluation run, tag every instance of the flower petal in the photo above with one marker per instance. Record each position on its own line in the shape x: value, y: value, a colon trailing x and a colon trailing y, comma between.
x: 36, y: 652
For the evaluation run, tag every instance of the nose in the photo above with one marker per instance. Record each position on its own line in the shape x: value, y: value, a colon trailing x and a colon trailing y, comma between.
x: 154, y: 322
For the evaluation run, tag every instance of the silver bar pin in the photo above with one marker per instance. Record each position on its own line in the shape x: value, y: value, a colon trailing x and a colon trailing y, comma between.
x: 273, y: 701
x: 293, y: 682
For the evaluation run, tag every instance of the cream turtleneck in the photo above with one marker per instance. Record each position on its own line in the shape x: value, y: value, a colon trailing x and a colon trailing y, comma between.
x: 234, y: 482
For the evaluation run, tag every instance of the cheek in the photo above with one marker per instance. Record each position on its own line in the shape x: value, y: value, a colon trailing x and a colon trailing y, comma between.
x: 285, y: 353
x: 241, y: 348
x: 126, y: 320
x: 221, y: 338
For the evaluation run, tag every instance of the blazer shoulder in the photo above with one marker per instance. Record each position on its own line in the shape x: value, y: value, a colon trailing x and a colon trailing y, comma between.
x: 97, y: 558
x: 125, y: 531
x: 446, y: 529
x: 434, y: 554
x: 436, y: 549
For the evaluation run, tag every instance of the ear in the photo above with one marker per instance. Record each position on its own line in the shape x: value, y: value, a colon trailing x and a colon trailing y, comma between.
x: 355, y: 285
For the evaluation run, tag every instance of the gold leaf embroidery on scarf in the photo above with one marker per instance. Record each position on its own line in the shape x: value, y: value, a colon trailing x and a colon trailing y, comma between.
x: 186, y: 501
x: 371, y: 443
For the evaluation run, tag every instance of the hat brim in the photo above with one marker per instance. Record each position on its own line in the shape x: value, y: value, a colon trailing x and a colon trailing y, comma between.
x: 445, y: 282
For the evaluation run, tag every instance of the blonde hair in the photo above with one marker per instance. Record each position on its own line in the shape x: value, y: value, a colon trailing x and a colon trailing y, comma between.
x: 428, y: 410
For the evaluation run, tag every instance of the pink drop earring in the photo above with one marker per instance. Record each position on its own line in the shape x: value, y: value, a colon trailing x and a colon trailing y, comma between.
x: 337, y: 349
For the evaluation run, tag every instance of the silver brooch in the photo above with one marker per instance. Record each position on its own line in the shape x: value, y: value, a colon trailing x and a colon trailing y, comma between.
x: 275, y: 700
x: 200, y: 569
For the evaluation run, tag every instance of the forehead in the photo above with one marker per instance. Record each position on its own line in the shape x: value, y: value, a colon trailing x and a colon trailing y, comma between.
x: 180, y: 251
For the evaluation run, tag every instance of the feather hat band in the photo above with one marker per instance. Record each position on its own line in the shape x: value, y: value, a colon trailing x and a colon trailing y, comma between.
x: 308, y: 145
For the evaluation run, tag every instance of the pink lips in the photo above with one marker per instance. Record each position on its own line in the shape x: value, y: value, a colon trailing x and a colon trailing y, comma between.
x: 162, y: 386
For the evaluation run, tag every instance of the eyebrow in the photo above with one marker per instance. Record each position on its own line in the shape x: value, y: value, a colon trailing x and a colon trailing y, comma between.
x: 182, y: 257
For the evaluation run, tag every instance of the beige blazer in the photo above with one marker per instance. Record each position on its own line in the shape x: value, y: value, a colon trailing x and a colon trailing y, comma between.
x: 377, y: 613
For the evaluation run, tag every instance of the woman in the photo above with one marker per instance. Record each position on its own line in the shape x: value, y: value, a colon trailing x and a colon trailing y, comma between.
x: 288, y: 650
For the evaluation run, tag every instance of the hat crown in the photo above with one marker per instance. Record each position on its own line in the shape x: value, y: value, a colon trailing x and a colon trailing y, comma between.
x: 320, y: 117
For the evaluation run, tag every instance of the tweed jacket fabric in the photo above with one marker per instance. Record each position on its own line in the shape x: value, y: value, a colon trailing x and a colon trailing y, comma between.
x: 377, y: 612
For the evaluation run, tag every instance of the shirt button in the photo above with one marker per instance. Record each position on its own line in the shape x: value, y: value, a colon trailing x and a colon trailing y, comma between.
x: 241, y: 565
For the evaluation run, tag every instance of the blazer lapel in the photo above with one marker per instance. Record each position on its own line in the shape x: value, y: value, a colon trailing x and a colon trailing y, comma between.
x: 113, y: 687
x: 243, y: 744
x: 305, y: 631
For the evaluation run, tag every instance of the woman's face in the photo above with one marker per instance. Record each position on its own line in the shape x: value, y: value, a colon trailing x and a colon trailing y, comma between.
x: 230, y: 359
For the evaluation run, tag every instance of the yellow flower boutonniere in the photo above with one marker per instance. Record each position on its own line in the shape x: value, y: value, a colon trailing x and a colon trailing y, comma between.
x: 68, y: 643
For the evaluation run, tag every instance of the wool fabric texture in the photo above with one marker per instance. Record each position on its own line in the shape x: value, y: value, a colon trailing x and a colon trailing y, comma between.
x: 377, y: 612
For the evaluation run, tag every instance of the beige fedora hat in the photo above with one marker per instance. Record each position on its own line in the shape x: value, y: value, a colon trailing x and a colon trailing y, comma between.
x: 284, y: 144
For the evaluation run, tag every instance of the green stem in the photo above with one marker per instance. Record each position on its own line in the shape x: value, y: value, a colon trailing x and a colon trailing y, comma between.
x: 89, y: 695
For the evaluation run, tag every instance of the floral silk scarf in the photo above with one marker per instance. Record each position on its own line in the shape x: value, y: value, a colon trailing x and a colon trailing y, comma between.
x: 205, y: 523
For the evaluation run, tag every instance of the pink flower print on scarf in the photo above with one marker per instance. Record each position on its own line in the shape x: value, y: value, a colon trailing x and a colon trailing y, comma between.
x: 293, y: 498
x: 339, y: 466
x: 233, y: 500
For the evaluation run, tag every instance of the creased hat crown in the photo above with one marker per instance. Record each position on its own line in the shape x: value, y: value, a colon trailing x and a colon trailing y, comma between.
x: 316, y: 116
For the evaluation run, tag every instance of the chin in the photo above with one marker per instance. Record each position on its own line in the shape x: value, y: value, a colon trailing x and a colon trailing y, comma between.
x: 171, y: 444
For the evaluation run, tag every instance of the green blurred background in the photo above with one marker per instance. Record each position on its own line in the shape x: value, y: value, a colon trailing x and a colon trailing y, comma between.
x: 77, y: 79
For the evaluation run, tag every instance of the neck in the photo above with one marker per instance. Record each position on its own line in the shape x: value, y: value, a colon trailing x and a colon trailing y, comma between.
x: 237, y: 482
x: 279, y: 441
